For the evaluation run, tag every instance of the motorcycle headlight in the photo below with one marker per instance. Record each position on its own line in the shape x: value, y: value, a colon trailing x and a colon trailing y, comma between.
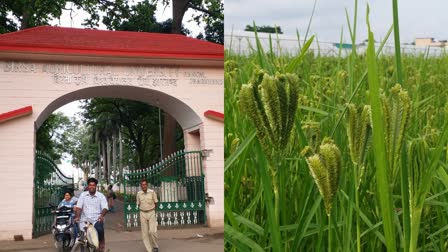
x: 61, y: 227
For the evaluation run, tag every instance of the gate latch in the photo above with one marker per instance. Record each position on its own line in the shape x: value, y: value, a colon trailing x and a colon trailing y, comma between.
x: 209, y: 199
x: 206, y: 152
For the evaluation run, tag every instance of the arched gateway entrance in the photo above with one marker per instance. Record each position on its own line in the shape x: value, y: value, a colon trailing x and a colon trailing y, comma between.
x: 44, y: 68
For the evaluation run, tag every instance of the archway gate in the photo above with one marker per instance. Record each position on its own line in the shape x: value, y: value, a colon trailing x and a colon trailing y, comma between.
x: 178, y: 181
x: 44, y: 68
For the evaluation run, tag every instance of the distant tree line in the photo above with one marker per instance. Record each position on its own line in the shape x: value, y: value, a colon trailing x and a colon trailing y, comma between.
x: 117, y: 15
x: 264, y: 28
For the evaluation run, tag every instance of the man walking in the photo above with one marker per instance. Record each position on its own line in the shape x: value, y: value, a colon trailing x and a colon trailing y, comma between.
x: 147, y: 203
x: 93, y: 206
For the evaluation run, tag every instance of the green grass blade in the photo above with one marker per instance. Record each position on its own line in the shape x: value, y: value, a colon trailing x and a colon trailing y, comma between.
x: 298, y: 39
x: 315, y: 110
x: 240, y: 241
x: 251, y: 225
x: 269, y: 205
x: 303, y: 226
x: 399, y: 71
x: 442, y: 175
x: 302, y: 139
x: 311, y: 19
x: 443, y: 229
x: 437, y: 195
x: 348, y: 23
x: 292, y: 66
x: 435, y: 160
x: 405, y: 198
x: 360, y: 82
x: 404, y: 167
x: 262, y: 59
x: 246, y: 143
x: 366, y: 220
x: 230, y: 217
x: 379, y: 148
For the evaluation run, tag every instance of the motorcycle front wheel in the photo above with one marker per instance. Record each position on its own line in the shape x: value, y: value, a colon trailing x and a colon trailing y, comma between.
x: 60, y: 246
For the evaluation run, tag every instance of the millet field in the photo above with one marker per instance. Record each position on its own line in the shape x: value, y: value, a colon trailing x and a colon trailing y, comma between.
x: 336, y: 153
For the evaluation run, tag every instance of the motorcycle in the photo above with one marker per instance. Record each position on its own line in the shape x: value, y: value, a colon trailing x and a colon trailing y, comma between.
x: 63, y: 228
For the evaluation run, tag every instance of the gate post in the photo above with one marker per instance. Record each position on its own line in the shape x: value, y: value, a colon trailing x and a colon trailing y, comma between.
x: 212, y: 139
x: 17, y: 175
x: 192, y: 140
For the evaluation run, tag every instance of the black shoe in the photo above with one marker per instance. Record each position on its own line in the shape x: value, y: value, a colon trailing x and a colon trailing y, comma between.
x: 155, y: 249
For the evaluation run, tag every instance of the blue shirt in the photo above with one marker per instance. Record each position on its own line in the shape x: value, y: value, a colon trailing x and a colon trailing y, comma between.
x: 70, y: 203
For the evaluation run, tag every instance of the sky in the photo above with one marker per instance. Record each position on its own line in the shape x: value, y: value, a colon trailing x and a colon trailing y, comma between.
x: 417, y: 18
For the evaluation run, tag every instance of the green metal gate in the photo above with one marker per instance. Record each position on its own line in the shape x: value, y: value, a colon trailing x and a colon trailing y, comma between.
x: 178, y: 181
x: 49, y: 187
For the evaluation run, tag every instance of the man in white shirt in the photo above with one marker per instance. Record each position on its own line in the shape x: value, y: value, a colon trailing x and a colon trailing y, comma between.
x: 93, y: 206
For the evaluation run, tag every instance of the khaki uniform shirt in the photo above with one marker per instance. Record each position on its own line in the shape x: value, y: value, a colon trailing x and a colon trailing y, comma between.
x: 146, y: 201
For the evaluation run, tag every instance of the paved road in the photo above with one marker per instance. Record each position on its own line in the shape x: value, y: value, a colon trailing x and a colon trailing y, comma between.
x: 173, y: 245
x: 200, y: 239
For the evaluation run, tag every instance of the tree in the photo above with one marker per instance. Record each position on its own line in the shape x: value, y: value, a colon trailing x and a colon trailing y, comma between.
x: 139, y: 17
x: 118, y: 15
x: 29, y: 13
x: 213, y: 17
x: 264, y: 28
x: 83, y: 149
x: 51, y: 138
x: 211, y: 13
x: 53, y: 135
x: 138, y: 123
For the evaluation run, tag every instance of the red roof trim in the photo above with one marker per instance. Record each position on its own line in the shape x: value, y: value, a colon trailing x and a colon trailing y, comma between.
x: 214, y: 115
x: 16, y: 113
x: 60, y: 40
x: 108, y: 53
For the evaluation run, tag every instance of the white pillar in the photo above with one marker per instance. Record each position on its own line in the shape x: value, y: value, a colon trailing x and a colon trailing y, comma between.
x: 212, y: 138
x: 16, y: 180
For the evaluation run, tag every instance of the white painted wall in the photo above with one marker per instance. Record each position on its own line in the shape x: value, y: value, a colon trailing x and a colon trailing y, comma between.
x: 47, y: 86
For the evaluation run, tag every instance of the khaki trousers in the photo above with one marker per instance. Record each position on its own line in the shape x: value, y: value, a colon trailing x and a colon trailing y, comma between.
x: 149, y: 229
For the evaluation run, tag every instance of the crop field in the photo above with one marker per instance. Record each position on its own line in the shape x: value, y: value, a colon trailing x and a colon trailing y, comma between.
x: 336, y: 153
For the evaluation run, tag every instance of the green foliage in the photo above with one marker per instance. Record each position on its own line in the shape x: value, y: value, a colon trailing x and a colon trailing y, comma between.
x: 139, y: 124
x: 326, y: 85
x: 28, y: 13
x: 264, y: 28
x: 379, y: 144
x: 83, y: 149
x: 52, y: 137
x: 121, y: 16
x: 213, y: 18
x: 115, y: 15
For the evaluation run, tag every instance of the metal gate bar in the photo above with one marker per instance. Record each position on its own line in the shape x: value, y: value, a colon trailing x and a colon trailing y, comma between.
x: 178, y: 181
x: 49, y: 187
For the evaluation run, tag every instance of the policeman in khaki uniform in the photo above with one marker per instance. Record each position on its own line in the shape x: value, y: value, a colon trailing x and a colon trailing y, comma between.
x: 147, y: 203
